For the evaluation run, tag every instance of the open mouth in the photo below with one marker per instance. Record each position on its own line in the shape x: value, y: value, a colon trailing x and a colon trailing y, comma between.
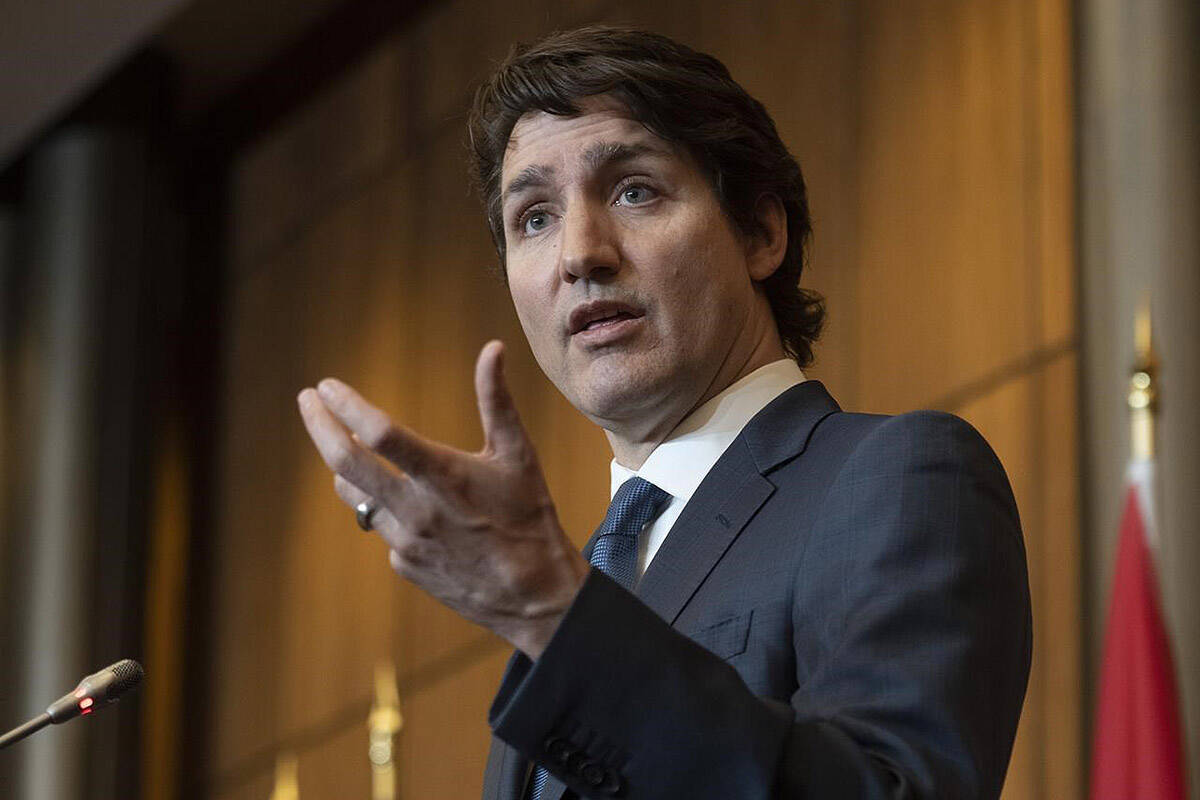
x: 600, y: 314
x: 605, y: 321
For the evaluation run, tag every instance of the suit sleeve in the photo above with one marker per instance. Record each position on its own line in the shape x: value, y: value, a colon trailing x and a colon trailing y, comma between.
x: 911, y: 628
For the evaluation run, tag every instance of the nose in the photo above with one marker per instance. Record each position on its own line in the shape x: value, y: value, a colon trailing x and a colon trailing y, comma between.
x: 588, y: 246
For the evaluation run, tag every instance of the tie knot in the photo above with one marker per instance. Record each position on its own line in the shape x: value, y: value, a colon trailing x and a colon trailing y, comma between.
x: 636, y: 502
x: 614, y: 550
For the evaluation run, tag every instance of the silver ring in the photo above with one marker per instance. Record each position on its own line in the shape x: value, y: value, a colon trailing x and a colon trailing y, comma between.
x: 363, y: 513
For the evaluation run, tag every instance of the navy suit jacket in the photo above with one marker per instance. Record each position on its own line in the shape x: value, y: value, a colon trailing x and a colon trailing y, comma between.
x: 841, y: 611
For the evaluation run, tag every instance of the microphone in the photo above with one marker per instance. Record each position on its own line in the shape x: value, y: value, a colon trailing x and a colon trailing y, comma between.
x: 96, y: 690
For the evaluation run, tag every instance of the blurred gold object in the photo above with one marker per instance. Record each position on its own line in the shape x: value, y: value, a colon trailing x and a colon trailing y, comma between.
x: 384, y: 722
x: 286, y: 785
x: 1143, y: 387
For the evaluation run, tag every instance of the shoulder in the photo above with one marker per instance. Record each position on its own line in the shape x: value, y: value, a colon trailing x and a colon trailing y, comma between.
x: 848, y: 438
x: 804, y: 441
x: 929, y: 454
x: 915, y: 435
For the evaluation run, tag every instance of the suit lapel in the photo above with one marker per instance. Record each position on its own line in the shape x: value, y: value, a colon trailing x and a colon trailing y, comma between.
x: 734, y: 489
x: 712, y: 520
x: 780, y: 432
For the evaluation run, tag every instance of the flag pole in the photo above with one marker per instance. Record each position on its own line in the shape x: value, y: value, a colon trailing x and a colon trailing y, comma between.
x: 1143, y: 387
x: 1138, y: 743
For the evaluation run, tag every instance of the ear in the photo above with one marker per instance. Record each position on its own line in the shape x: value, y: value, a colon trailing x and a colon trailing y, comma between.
x: 766, y: 248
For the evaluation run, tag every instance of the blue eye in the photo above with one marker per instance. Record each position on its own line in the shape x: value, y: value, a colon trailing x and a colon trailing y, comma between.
x: 634, y: 195
x: 535, y: 223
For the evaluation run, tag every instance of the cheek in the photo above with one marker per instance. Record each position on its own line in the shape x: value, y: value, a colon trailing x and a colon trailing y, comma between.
x: 533, y: 306
x: 701, y: 286
x: 697, y: 276
x: 526, y: 304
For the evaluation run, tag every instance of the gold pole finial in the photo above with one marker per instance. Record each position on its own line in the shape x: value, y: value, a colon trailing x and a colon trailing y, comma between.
x: 384, y: 722
x: 287, y: 787
x: 1143, y: 385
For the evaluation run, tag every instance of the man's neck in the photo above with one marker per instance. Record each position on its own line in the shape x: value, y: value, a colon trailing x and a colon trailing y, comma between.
x: 631, y: 447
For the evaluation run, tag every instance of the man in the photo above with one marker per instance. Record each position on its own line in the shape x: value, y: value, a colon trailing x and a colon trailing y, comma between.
x: 785, y: 600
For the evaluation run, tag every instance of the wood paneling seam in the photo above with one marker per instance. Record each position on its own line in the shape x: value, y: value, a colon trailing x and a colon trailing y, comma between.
x: 1018, y: 368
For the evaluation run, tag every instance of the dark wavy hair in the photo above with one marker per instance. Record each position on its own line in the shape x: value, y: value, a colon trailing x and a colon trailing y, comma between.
x: 680, y: 95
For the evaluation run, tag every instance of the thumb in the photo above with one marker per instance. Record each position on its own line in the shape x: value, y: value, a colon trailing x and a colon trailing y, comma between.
x: 502, y: 429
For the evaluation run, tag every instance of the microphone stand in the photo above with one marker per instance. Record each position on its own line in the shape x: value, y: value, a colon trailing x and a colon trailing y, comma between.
x: 21, y: 731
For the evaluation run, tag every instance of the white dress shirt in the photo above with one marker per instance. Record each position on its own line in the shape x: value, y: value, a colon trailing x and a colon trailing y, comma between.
x: 679, y: 464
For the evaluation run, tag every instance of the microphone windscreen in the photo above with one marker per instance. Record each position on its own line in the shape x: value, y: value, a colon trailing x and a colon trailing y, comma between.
x: 128, y: 673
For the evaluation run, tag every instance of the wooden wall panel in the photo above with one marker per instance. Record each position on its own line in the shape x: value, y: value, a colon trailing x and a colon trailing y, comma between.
x: 291, y: 571
x: 948, y: 268
x: 459, y: 41
x: 935, y: 141
x: 345, y: 134
x: 1051, y: 61
x: 256, y: 787
x: 339, y: 767
x: 445, y: 741
x: 1059, y: 610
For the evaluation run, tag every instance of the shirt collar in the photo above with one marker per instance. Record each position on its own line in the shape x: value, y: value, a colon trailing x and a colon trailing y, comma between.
x: 680, y: 462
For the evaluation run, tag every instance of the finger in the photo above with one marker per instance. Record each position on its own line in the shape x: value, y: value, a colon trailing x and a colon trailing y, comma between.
x: 410, y: 452
x: 502, y: 428
x: 352, y: 496
x: 389, y: 526
x: 410, y: 559
x: 340, y: 451
x: 399, y: 497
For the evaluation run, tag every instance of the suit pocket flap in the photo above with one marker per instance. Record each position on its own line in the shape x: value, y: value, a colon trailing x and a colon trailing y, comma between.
x: 726, y: 638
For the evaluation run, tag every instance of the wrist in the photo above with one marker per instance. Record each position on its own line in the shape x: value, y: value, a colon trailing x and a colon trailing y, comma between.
x: 543, y: 618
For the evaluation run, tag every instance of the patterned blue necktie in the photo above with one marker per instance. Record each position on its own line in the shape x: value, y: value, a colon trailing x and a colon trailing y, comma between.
x: 615, y: 549
x: 614, y: 552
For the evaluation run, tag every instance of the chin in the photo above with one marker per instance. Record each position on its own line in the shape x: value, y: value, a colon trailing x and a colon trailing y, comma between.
x: 620, y: 397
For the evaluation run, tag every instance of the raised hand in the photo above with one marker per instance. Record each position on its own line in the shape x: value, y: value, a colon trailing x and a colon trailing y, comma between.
x: 478, y: 531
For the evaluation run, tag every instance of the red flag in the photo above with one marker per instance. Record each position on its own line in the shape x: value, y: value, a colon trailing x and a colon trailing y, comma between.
x: 1137, y: 752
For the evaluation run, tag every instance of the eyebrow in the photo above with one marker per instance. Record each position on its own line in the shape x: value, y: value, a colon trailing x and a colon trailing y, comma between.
x: 597, y: 157
x: 606, y: 154
x: 533, y: 176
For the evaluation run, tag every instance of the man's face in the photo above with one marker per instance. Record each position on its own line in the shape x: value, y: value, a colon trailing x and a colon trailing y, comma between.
x: 630, y: 281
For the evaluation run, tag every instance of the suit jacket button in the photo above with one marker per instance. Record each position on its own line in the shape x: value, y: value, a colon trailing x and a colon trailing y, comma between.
x: 559, y: 749
x: 592, y: 774
x: 611, y: 784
